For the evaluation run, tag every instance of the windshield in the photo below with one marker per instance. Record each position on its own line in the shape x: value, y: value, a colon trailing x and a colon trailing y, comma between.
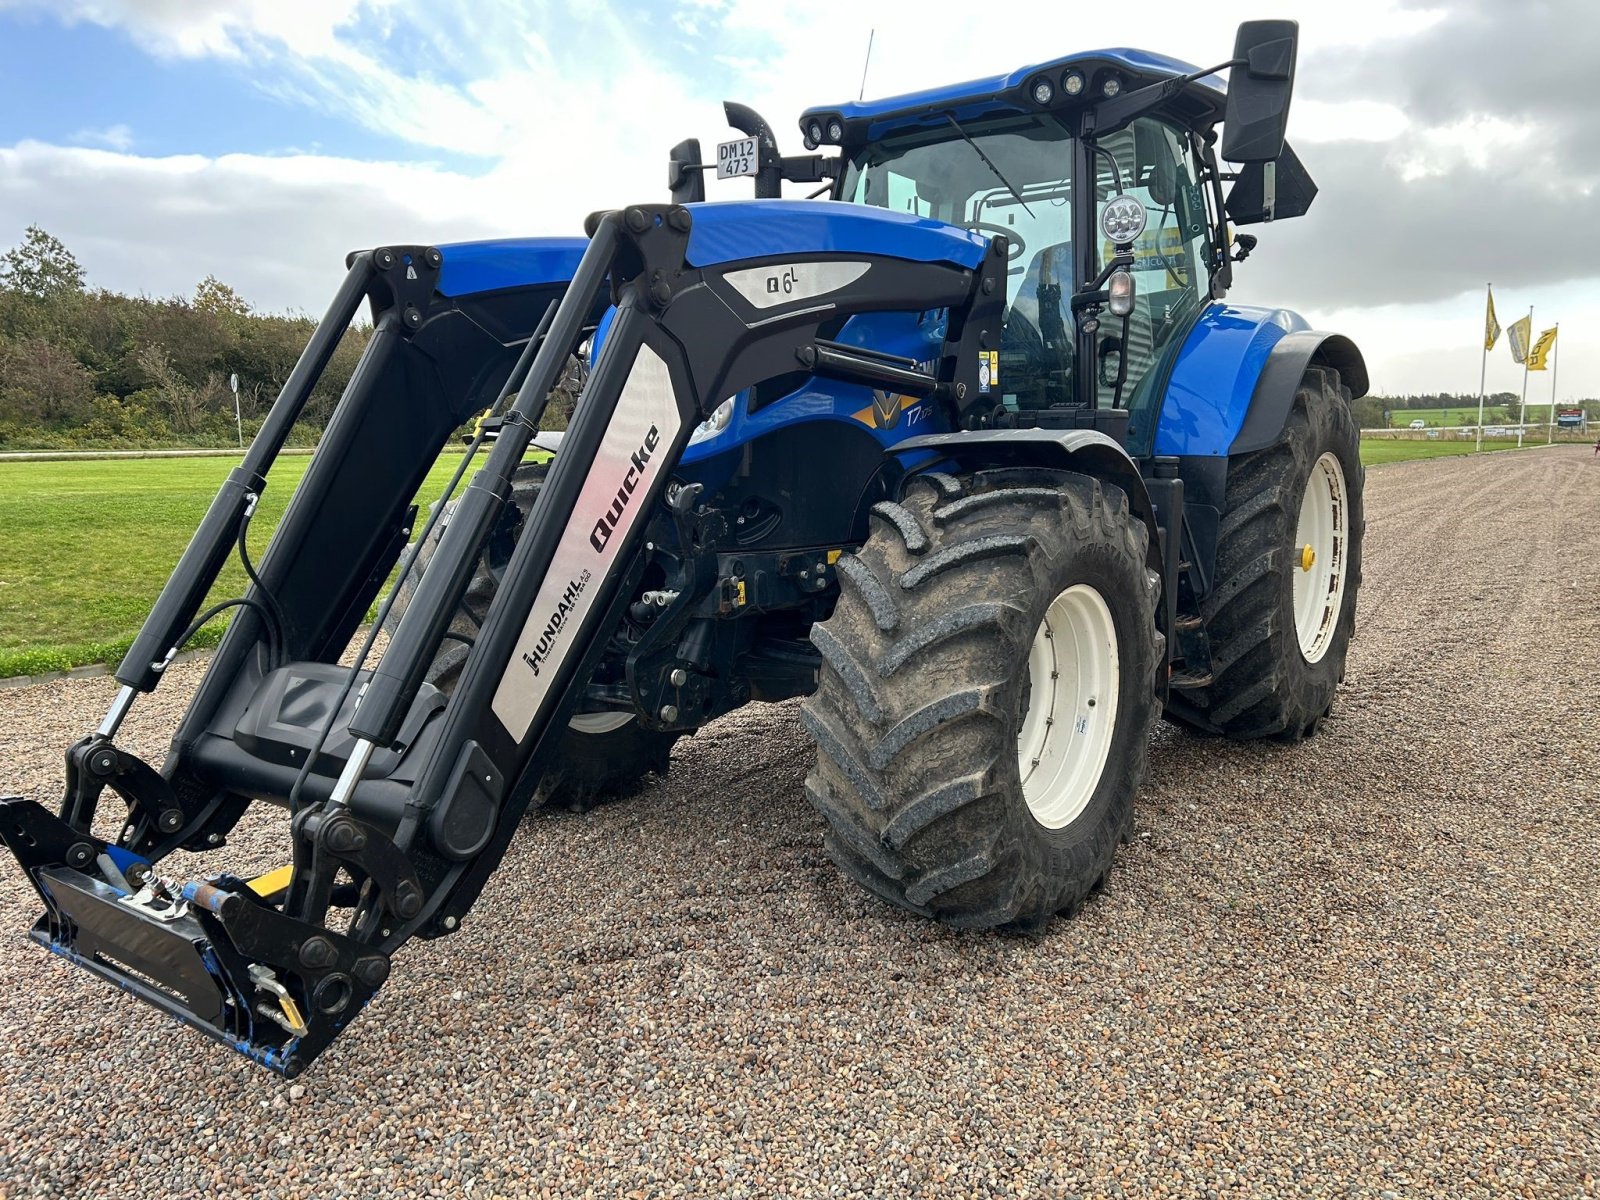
x: 1023, y: 190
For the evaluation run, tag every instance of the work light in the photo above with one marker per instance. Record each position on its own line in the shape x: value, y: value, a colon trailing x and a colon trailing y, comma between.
x: 1072, y: 83
x: 1122, y: 220
x: 714, y: 424
x: 1120, y: 293
x: 835, y: 131
x: 1111, y: 86
x: 1043, y: 93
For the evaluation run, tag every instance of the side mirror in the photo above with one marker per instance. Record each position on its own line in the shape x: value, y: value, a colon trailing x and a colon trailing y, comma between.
x: 1271, y: 191
x: 1259, y: 89
x: 683, y: 173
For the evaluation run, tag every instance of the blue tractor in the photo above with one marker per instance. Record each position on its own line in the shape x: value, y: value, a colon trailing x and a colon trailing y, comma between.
x: 972, y: 453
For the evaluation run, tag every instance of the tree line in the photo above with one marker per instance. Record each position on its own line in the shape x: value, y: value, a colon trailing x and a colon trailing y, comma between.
x: 83, y: 367
x: 1378, y: 412
x: 92, y: 368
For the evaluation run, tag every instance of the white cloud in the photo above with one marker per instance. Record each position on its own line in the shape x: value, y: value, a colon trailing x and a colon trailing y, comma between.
x: 275, y: 228
x: 221, y: 28
x: 570, y: 106
x: 1312, y: 120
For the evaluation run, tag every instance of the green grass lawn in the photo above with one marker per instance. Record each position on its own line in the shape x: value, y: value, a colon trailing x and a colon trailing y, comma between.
x: 1493, y: 414
x: 1376, y: 450
x: 86, y: 545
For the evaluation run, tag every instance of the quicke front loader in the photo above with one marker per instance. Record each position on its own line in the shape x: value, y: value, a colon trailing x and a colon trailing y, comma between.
x: 972, y: 453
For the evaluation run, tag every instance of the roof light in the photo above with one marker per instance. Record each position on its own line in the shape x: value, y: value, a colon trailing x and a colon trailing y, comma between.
x: 1072, y: 83
x: 1043, y: 91
x: 813, y: 131
x: 1111, y: 86
x: 835, y: 131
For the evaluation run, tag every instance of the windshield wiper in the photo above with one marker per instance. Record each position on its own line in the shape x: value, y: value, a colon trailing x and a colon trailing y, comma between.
x: 978, y: 150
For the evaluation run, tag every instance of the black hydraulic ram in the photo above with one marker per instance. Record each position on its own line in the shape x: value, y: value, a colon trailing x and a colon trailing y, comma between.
x: 263, y: 968
x: 198, y: 568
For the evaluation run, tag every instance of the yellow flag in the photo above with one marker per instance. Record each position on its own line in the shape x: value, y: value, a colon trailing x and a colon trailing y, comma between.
x: 1541, y: 350
x: 1491, y: 327
x: 1517, y: 335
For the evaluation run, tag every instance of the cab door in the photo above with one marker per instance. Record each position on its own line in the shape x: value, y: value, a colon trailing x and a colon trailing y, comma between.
x: 1153, y: 162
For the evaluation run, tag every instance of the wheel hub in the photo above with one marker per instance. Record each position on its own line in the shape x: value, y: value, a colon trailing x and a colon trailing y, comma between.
x: 599, y: 722
x: 1070, y: 708
x: 1323, y: 533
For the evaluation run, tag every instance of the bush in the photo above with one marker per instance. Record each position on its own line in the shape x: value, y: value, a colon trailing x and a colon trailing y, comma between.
x: 97, y: 368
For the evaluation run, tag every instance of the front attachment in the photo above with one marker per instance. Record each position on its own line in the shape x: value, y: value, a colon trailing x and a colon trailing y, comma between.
x: 216, y: 955
x: 402, y: 800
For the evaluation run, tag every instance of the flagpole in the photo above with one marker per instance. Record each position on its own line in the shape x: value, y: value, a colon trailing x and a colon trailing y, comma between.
x: 1522, y: 413
x: 1555, y: 348
x: 1483, y: 371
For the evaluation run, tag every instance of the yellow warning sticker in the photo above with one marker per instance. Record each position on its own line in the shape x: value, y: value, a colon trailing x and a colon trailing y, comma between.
x: 988, y: 371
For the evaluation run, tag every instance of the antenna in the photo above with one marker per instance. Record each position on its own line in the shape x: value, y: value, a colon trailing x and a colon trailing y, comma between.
x: 862, y: 93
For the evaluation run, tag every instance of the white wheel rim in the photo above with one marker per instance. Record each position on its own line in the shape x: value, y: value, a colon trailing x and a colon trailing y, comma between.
x: 599, y: 722
x: 1072, y: 706
x: 1320, y: 551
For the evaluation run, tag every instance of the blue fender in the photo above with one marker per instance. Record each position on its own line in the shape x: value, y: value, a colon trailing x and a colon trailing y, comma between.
x: 1235, y: 377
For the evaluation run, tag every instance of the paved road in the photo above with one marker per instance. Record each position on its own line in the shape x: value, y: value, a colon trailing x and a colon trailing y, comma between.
x: 1360, y: 967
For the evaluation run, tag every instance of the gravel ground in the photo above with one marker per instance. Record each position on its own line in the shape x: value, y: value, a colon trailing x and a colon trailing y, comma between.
x: 1366, y: 966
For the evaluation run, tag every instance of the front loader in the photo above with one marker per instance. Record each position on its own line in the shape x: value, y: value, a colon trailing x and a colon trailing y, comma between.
x: 980, y: 463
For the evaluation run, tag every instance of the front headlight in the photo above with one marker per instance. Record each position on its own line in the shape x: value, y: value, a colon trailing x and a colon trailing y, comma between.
x: 715, y: 423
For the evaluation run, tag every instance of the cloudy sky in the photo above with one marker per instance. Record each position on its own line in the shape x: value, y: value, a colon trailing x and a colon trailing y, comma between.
x: 258, y: 140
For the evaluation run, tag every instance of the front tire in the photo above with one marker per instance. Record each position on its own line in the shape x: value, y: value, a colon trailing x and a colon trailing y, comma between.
x: 984, y: 709
x: 602, y: 754
x: 1282, y: 609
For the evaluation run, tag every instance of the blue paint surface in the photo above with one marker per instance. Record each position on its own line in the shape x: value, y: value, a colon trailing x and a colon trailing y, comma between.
x: 1215, y: 376
x: 978, y: 96
x: 724, y: 232
x: 738, y: 229
x: 124, y: 858
x: 472, y: 267
x: 911, y: 335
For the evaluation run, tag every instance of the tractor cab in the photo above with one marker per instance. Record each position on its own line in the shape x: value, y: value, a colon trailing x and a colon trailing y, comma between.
x: 1012, y: 176
x: 1100, y: 171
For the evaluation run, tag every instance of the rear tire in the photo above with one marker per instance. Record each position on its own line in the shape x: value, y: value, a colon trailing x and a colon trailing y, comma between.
x: 602, y: 755
x: 1279, y: 619
x: 965, y: 596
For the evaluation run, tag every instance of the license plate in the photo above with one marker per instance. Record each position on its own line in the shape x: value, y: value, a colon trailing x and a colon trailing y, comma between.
x: 737, y: 158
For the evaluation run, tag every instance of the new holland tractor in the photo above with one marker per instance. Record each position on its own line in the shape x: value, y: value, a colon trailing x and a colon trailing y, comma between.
x: 972, y: 453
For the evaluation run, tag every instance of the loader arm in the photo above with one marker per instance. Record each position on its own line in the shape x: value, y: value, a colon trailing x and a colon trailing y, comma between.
x: 401, y: 801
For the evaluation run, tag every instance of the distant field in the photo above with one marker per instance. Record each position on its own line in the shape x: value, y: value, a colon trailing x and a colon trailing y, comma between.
x: 1399, y: 418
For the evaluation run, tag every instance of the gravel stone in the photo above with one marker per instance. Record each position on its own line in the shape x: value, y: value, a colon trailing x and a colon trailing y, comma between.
x: 1364, y: 966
